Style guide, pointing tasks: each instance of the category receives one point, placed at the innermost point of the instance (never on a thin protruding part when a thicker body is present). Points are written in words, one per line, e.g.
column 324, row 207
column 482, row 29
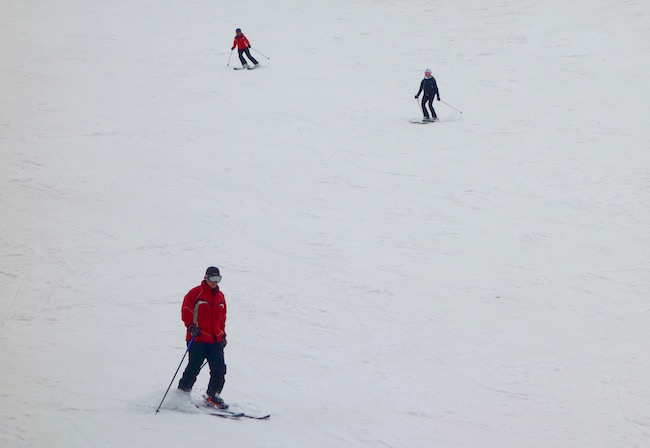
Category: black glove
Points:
column 225, row 342
column 416, row 96
column 194, row 330
column 438, row 98
column 232, row 48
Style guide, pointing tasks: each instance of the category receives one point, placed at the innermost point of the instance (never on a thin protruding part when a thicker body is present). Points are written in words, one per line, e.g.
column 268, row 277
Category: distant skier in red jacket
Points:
column 204, row 314
column 243, row 46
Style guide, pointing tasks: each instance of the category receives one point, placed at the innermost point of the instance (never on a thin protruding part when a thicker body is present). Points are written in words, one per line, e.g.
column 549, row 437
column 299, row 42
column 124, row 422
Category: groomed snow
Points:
column 477, row 282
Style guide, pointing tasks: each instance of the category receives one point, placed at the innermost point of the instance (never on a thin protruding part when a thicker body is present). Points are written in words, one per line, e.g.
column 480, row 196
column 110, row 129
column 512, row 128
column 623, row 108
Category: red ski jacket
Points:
column 241, row 42
column 205, row 308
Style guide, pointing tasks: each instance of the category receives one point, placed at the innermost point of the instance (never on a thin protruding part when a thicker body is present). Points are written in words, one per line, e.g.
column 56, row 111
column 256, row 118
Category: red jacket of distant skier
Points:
column 206, row 308
column 241, row 42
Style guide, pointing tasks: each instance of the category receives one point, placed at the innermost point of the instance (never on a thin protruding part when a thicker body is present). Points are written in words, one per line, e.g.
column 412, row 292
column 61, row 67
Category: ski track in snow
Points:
column 478, row 282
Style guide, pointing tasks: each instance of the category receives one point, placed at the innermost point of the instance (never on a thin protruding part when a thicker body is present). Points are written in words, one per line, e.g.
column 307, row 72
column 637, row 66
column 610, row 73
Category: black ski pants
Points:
column 426, row 99
column 198, row 352
column 248, row 53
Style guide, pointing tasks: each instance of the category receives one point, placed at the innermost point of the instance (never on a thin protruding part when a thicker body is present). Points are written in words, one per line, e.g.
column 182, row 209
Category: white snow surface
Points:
column 477, row 282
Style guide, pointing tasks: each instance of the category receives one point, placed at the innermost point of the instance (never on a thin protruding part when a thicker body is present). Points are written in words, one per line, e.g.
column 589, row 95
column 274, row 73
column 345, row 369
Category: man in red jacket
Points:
column 204, row 315
column 243, row 46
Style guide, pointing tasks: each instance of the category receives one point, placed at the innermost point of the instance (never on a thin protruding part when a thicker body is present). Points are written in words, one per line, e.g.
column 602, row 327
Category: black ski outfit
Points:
column 430, row 88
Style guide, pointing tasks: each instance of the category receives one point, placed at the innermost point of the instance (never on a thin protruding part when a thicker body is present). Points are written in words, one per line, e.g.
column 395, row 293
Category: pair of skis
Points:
column 228, row 414
column 423, row 121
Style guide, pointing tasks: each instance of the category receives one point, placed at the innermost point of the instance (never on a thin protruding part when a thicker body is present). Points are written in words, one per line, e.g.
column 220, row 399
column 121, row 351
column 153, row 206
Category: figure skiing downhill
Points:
column 243, row 46
column 430, row 88
column 204, row 314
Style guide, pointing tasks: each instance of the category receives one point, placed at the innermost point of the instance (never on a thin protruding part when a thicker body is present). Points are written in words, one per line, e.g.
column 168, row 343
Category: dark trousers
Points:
column 198, row 352
column 248, row 53
column 428, row 100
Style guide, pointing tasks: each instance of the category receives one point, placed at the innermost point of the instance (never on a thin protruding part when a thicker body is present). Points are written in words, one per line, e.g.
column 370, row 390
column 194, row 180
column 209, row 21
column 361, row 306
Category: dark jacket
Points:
column 430, row 87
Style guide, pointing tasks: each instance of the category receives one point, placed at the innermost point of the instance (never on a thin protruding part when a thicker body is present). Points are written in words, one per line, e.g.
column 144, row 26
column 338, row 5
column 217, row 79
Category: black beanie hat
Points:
column 212, row 270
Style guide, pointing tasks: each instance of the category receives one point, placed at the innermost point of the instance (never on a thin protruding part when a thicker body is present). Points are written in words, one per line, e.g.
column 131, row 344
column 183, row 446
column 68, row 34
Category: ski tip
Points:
column 258, row 417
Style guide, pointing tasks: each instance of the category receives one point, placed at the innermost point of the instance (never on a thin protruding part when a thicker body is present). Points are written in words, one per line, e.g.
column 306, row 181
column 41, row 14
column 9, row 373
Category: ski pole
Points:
column 417, row 101
column 260, row 53
column 174, row 377
column 452, row 107
column 228, row 64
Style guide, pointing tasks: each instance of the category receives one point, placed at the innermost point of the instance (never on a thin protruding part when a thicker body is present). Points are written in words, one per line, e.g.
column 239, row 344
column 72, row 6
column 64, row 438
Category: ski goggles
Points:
column 214, row 278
